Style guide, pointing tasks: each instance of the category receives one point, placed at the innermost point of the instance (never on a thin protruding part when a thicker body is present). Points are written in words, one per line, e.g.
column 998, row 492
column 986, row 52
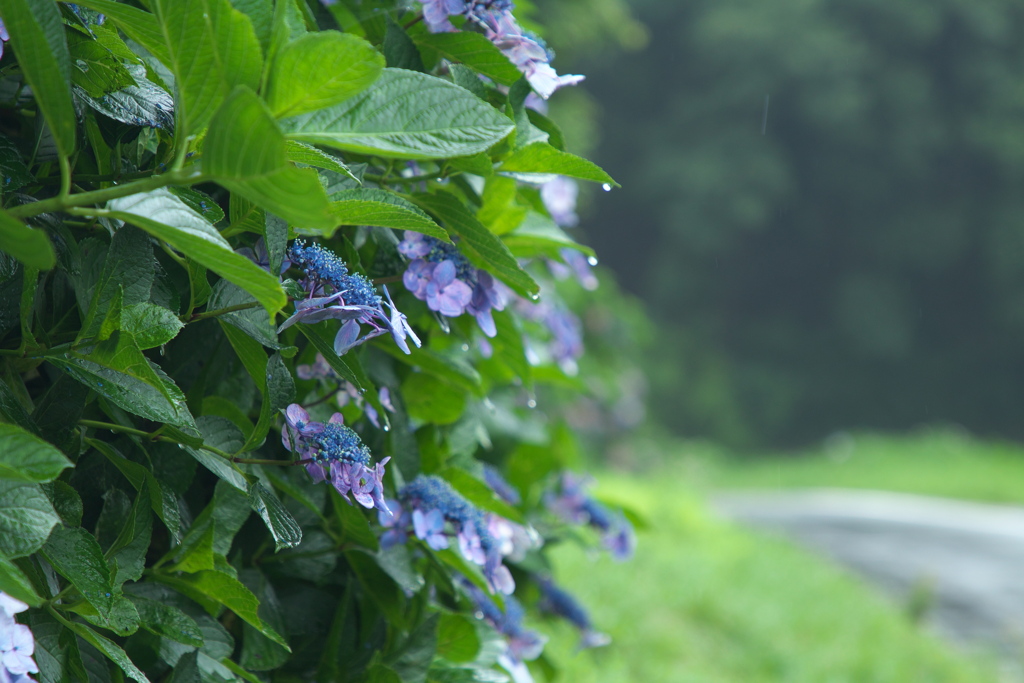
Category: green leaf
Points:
column 128, row 271
column 122, row 618
column 326, row 348
column 151, row 325
column 139, row 25
column 457, row 640
column 13, row 170
column 221, row 434
column 31, row 246
column 397, row 562
column 96, row 70
column 432, row 400
column 311, row 156
column 37, row 36
column 25, row 457
column 246, row 152
column 475, row 51
column 14, row 582
column 399, row 50
column 479, row 244
column 108, row 648
column 540, row 157
column 259, row 653
column 352, row 520
column 406, row 115
column 26, row 518
column 454, row 371
column 161, row 500
column 75, row 555
column 286, row 531
column 477, row 164
column 538, row 235
column 412, row 659
column 222, row 589
column 167, row 621
column 320, row 70
column 117, row 370
column 167, row 218
column 200, row 202
column 12, row 411
column 365, row 206
column 212, row 48
column 254, row 321
column 128, row 552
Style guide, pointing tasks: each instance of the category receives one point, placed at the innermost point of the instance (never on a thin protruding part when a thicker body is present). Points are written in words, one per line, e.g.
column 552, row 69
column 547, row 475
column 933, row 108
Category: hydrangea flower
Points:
column 437, row 513
column 572, row 504
column 560, row 603
column 4, row 37
column 565, row 329
column 442, row 276
column 522, row 644
column 575, row 265
column 559, row 197
column 526, row 51
column 334, row 451
column 16, row 643
column 336, row 294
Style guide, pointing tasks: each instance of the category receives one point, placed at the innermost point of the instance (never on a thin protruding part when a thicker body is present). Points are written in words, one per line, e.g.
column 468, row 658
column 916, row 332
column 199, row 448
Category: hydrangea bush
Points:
column 277, row 297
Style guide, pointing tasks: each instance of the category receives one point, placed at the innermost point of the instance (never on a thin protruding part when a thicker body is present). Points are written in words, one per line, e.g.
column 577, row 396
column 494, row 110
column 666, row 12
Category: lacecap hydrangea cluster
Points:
column 17, row 643
column 443, row 277
column 521, row 644
column 494, row 18
column 435, row 512
column 333, row 451
column 572, row 504
column 333, row 293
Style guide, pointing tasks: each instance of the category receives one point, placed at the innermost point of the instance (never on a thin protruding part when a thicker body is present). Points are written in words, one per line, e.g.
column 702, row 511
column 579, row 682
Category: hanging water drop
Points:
column 531, row 403
column 592, row 260
column 535, row 297
column 465, row 347
column 606, row 187
column 386, row 427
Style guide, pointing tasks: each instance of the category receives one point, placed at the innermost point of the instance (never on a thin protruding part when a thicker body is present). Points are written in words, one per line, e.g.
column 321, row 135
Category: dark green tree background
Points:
column 856, row 262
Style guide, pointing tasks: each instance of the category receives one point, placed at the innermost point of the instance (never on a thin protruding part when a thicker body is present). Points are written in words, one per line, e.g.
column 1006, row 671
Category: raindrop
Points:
column 606, row 187
column 443, row 322
column 592, row 260
column 99, row 384
column 465, row 347
column 531, row 403
column 535, row 297
column 81, row 64
column 387, row 427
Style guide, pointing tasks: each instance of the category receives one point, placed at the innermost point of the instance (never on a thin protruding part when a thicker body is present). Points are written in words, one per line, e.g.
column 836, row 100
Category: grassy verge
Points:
column 938, row 462
column 705, row 602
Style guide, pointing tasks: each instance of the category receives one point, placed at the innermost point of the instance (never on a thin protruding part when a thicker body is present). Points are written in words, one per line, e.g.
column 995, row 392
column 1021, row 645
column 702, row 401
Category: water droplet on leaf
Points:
column 81, row 64
column 535, row 297
column 606, row 187
column 531, row 403
column 465, row 347
column 592, row 260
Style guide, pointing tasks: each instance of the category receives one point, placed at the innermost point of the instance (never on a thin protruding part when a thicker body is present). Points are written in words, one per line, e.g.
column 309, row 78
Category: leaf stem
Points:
column 65, row 177
column 386, row 280
column 152, row 436
column 61, row 203
column 281, row 463
column 195, row 317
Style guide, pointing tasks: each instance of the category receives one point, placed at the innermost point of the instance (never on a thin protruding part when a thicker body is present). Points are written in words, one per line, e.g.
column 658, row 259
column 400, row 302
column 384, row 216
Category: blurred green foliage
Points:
column 852, row 259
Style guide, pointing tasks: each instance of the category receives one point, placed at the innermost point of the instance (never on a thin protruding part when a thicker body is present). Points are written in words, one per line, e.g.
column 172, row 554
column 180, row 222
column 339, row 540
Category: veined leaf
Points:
column 26, row 518
column 475, row 51
column 76, row 555
column 14, row 582
column 479, row 244
column 111, row 650
column 151, row 325
column 320, row 70
column 212, row 48
column 540, row 157
column 37, row 36
column 246, row 152
column 139, row 25
column 406, row 115
column 311, row 156
column 167, row 218
column 366, row 206
column 25, row 457
column 117, row 370
column 29, row 245
column 286, row 531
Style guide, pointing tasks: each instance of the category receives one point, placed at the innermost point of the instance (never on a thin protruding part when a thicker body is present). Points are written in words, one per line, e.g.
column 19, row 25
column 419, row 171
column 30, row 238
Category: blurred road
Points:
column 962, row 562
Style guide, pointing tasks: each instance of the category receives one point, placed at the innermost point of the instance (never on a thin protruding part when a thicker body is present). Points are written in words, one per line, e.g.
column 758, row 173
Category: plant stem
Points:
column 65, row 177
column 385, row 178
column 258, row 461
column 152, row 436
column 61, row 203
column 387, row 280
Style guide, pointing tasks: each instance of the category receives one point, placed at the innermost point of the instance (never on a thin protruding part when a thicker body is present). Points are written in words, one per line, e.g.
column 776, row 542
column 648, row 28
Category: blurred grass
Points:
column 934, row 461
column 705, row 602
